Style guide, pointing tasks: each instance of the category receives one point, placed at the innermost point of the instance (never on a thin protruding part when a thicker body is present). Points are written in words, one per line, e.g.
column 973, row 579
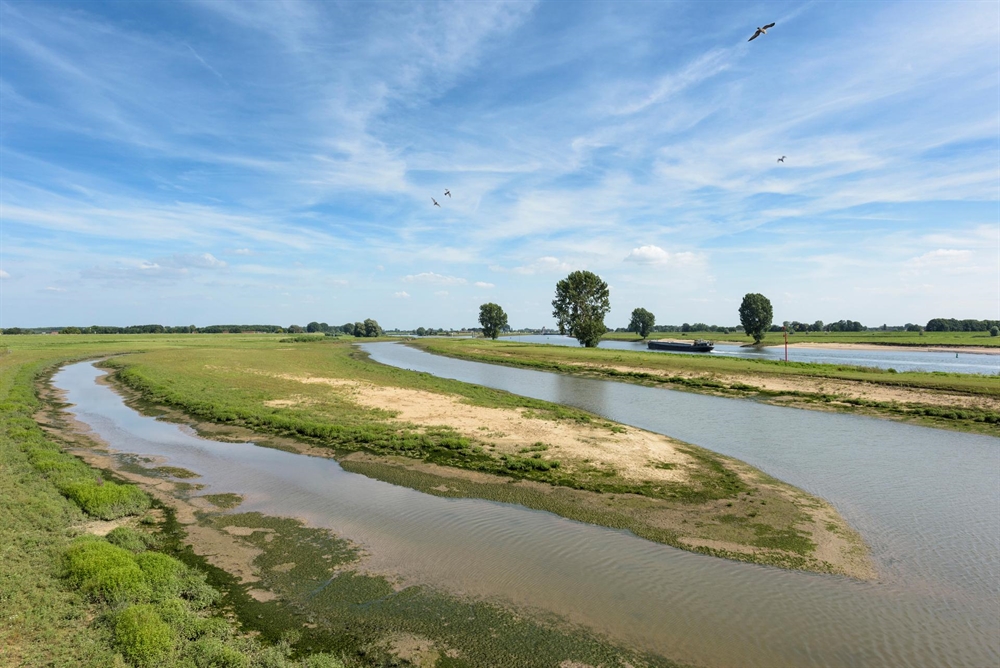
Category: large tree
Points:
column 755, row 315
column 642, row 322
column 371, row 328
column 493, row 319
column 581, row 302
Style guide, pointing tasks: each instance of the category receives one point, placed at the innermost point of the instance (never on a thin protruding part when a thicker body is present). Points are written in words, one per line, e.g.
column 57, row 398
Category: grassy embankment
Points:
column 873, row 337
column 956, row 401
column 70, row 598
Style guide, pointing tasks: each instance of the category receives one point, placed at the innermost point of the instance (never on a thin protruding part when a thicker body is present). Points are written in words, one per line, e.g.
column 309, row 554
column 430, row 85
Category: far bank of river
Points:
column 965, row 360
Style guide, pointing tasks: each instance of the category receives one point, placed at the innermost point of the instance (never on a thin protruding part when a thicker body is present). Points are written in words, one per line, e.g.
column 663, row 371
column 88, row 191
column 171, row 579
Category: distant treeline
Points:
column 370, row 327
column 952, row 325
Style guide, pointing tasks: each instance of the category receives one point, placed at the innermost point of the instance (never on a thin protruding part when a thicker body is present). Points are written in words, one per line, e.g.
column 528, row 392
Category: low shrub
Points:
column 107, row 500
column 105, row 571
column 130, row 539
column 142, row 636
column 164, row 574
column 213, row 653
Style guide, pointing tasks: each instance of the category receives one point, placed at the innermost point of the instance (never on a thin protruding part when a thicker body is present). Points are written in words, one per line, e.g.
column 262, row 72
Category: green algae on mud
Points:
column 313, row 598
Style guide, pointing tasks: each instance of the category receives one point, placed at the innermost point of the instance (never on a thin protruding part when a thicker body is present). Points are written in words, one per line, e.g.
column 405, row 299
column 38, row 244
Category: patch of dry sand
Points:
column 631, row 452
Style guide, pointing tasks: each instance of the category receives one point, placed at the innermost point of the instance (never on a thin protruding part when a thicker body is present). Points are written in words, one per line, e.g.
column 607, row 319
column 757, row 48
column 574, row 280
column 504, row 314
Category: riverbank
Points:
column 953, row 401
column 404, row 426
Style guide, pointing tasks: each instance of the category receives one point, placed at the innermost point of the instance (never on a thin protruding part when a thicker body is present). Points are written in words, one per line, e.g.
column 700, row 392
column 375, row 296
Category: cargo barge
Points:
column 699, row 346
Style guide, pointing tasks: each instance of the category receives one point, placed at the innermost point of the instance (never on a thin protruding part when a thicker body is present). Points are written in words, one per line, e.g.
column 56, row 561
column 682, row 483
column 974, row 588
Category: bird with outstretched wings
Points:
column 435, row 202
column 761, row 31
column 781, row 159
column 447, row 192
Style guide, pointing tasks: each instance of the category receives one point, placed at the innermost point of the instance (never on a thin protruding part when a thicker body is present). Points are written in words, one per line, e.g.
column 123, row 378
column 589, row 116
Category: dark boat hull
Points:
column 697, row 347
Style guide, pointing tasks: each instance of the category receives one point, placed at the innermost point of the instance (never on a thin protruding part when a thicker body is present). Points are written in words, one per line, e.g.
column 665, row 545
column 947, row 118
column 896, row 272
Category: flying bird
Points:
column 761, row 31
column 435, row 202
column 448, row 193
column 781, row 159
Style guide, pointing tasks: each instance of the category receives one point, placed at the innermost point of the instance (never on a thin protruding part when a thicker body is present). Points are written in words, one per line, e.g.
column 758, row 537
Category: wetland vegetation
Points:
column 327, row 398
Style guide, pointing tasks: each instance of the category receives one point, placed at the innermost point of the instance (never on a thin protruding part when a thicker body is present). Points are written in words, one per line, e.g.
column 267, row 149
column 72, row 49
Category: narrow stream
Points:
column 928, row 501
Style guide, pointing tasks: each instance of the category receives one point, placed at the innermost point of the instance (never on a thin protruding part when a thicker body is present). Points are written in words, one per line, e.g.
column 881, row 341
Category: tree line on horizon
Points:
column 582, row 306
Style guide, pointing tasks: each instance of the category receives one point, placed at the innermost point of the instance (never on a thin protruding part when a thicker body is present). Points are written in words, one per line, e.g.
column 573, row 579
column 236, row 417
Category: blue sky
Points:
column 274, row 162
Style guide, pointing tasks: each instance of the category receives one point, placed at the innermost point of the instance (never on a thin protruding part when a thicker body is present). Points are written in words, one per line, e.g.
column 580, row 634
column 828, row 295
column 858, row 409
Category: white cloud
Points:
column 434, row 279
column 654, row 255
column 242, row 251
column 52, row 289
column 484, row 284
column 543, row 265
column 402, row 295
column 441, row 293
column 4, row 274
column 942, row 257
column 199, row 261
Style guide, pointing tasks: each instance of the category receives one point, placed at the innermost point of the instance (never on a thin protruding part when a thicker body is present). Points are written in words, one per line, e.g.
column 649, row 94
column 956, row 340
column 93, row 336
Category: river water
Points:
column 889, row 358
column 927, row 501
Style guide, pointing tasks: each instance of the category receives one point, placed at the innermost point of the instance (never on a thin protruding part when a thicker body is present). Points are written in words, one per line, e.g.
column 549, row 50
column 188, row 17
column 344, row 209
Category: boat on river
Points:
column 699, row 346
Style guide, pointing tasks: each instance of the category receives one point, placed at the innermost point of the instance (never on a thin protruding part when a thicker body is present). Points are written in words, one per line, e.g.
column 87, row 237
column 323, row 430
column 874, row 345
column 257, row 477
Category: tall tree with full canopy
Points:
column 642, row 322
column 493, row 319
column 755, row 315
column 582, row 300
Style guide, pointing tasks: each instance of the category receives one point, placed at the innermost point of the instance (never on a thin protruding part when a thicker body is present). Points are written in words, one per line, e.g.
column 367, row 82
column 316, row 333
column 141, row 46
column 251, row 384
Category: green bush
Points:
column 130, row 539
column 322, row 661
column 107, row 501
column 213, row 653
column 164, row 574
column 144, row 638
column 105, row 571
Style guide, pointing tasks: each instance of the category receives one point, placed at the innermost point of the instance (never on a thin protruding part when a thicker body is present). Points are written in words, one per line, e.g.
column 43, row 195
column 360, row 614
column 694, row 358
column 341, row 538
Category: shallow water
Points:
column 927, row 501
column 900, row 360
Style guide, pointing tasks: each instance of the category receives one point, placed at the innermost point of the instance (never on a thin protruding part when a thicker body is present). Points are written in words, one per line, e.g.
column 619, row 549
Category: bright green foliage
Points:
column 130, row 539
column 493, row 319
column 142, row 636
column 322, row 661
column 108, row 500
column 756, row 315
column 582, row 300
column 164, row 574
column 216, row 654
column 105, row 571
column 642, row 322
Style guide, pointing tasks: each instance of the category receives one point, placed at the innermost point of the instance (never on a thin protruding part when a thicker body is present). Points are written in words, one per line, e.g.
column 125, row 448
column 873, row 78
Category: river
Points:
column 927, row 501
column 887, row 358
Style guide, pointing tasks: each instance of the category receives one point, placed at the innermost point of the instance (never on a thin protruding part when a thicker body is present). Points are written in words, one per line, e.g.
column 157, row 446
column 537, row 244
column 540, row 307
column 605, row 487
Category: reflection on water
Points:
column 900, row 360
column 932, row 516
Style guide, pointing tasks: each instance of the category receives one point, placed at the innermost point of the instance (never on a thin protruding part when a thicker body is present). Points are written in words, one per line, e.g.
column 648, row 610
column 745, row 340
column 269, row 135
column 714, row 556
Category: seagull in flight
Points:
column 447, row 192
column 781, row 159
column 435, row 202
column 761, row 31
